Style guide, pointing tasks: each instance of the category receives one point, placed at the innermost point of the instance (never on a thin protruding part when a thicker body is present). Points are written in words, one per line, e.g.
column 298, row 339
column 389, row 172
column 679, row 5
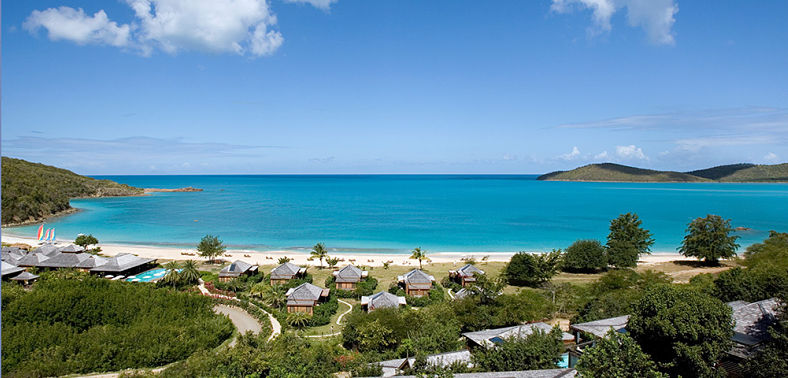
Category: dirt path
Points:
column 339, row 319
column 276, row 327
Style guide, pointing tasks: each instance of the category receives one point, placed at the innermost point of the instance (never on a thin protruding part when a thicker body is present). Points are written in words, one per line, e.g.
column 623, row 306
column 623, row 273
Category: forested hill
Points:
column 33, row 192
column 623, row 173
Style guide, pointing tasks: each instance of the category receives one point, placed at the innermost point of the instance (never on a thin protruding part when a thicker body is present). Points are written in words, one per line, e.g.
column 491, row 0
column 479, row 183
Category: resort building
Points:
column 751, row 329
column 123, row 264
column 462, row 294
column 25, row 278
column 305, row 297
column 73, row 248
column 395, row 367
column 491, row 337
column 416, row 283
column 599, row 328
column 348, row 277
column 12, row 254
column 237, row 269
column 286, row 272
column 10, row 270
column 59, row 260
column 465, row 274
column 31, row 259
column 381, row 300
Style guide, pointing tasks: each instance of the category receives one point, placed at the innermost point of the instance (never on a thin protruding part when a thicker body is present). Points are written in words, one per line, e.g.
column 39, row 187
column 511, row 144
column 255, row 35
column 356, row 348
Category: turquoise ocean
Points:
column 395, row 213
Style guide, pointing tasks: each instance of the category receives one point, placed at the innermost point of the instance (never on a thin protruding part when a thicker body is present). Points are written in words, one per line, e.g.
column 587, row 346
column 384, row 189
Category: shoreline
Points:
column 270, row 257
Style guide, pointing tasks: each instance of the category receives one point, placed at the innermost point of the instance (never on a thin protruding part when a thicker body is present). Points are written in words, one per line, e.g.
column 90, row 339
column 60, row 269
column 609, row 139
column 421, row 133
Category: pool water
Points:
column 564, row 363
column 148, row 276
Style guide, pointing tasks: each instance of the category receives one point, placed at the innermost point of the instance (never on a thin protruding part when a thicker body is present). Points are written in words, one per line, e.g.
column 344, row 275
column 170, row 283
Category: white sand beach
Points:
column 301, row 258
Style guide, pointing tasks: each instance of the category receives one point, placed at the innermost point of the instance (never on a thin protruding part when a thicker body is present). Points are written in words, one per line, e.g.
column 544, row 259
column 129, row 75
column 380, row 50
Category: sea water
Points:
column 395, row 213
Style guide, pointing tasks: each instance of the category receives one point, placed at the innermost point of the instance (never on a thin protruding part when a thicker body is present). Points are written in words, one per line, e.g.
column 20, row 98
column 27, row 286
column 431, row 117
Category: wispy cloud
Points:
column 574, row 154
column 135, row 154
column 655, row 17
column 243, row 27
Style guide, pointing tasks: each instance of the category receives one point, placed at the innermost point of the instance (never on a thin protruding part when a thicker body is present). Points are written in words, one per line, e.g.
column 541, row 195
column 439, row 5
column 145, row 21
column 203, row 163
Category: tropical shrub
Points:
column 616, row 355
column 585, row 256
column 709, row 239
column 627, row 240
column 539, row 350
column 531, row 269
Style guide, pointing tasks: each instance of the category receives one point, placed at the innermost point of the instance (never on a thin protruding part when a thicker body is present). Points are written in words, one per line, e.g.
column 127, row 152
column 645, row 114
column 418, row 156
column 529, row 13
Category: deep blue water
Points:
column 395, row 213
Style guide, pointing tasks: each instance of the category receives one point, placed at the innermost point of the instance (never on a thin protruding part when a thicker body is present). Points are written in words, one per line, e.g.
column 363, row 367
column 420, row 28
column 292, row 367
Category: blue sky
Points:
column 392, row 86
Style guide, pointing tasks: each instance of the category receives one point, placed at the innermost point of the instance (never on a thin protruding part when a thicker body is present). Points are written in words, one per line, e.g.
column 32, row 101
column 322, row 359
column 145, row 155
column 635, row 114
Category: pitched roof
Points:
column 235, row 269
column 47, row 249
column 462, row 293
column 417, row 279
column 11, row 255
column 286, row 271
column 9, row 269
column 490, row 337
column 64, row 260
column 121, row 262
column 93, row 262
column 32, row 259
column 544, row 373
column 383, row 299
column 349, row 274
column 305, row 294
column 24, row 276
column 752, row 320
column 599, row 328
column 468, row 271
column 72, row 248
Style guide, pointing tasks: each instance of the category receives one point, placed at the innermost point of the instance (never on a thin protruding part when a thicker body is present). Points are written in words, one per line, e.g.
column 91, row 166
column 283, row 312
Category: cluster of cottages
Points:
column 17, row 262
column 751, row 324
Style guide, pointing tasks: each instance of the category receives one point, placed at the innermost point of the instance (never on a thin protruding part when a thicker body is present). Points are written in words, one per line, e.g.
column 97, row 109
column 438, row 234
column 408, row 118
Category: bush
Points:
column 324, row 311
column 683, row 330
column 436, row 295
column 709, row 239
column 616, row 355
column 505, row 310
column 367, row 286
column 539, row 350
column 91, row 324
column 627, row 240
column 530, row 269
column 585, row 256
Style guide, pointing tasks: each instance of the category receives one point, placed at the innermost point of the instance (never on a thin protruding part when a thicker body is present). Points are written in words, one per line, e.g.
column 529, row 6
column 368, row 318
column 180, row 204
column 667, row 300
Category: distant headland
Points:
column 610, row 172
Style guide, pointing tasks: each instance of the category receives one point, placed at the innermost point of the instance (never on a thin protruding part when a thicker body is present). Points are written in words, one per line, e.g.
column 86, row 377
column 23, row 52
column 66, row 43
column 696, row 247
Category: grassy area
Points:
column 332, row 326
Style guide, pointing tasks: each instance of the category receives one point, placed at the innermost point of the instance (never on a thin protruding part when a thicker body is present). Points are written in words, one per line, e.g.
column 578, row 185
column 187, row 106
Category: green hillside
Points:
column 619, row 173
column 724, row 173
column 31, row 191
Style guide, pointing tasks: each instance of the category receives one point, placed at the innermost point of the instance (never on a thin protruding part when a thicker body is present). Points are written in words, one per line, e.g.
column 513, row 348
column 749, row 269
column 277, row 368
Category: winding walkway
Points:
column 276, row 328
column 339, row 319
column 241, row 320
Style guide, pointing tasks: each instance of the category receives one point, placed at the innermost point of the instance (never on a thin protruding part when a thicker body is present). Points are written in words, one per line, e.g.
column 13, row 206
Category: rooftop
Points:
column 305, row 294
column 350, row 273
column 286, row 271
column 599, row 328
column 417, row 279
column 237, row 268
column 121, row 262
column 383, row 299
column 490, row 337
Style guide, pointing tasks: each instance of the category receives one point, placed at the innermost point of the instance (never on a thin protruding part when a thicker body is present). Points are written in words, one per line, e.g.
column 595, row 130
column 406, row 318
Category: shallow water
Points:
column 395, row 213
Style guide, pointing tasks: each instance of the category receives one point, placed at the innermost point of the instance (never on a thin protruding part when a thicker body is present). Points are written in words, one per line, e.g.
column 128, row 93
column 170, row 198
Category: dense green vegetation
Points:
column 623, row 173
column 32, row 191
column 585, row 256
column 210, row 247
column 617, row 355
column 529, row 269
column 709, row 239
column 539, row 350
column 627, row 240
column 68, row 325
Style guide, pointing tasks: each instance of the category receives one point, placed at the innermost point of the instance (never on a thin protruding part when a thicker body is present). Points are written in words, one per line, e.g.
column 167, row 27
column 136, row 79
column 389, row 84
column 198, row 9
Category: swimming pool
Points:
column 148, row 276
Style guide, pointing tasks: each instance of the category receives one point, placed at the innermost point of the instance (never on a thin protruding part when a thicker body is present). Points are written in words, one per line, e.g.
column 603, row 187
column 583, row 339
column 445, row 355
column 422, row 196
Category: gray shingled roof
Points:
column 47, row 249
column 24, row 276
column 237, row 268
column 599, row 328
column 286, row 271
column 417, row 279
column 32, row 259
column 93, row 262
column 11, row 255
column 382, row 300
column 305, row 294
column 752, row 320
column 9, row 269
column 462, row 293
column 72, row 248
column 546, row 373
column 468, row 270
column 121, row 262
column 64, row 260
column 490, row 337
column 349, row 274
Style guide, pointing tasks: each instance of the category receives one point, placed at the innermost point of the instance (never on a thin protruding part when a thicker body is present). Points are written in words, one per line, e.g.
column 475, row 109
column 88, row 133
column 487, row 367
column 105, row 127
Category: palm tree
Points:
column 319, row 251
column 189, row 274
column 258, row 289
column 172, row 276
column 420, row 255
column 274, row 296
column 298, row 319
column 332, row 261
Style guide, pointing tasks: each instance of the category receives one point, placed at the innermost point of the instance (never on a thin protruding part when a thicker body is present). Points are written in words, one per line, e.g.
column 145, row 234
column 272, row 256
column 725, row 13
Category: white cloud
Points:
column 630, row 152
column 243, row 27
column 321, row 4
column 71, row 24
column 572, row 155
column 695, row 144
column 601, row 155
column 655, row 17
column 771, row 157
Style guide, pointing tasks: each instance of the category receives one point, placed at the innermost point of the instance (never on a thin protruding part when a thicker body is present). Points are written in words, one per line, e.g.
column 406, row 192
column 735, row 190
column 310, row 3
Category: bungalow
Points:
column 381, row 300
column 286, row 272
column 599, row 328
column 47, row 249
column 751, row 325
column 490, row 337
column 348, row 277
column 123, row 264
column 416, row 283
column 31, row 260
column 462, row 294
column 465, row 274
column 26, row 278
column 9, row 270
column 237, row 269
column 393, row 367
column 59, row 260
column 72, row 248
column 12, row 254
column 305, row 297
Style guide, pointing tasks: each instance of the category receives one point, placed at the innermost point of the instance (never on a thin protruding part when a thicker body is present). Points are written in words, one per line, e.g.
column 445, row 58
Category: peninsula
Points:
column 611, row 172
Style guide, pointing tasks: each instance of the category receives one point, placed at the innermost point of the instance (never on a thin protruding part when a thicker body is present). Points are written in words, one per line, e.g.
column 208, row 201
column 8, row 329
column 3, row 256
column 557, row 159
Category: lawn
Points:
column 332, row 326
